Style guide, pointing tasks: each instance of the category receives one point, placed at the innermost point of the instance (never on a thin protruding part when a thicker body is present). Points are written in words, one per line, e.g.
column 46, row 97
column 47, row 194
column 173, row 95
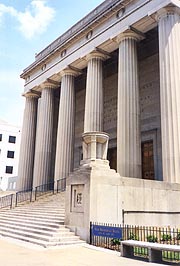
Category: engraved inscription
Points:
column 110, row 110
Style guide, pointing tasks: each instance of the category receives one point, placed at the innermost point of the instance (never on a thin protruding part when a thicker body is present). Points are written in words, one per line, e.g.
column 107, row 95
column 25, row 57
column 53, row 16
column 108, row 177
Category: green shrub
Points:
column 152, row 239
column 166, row 237
column 132, row 236
column 115, row 241
column 178, row 236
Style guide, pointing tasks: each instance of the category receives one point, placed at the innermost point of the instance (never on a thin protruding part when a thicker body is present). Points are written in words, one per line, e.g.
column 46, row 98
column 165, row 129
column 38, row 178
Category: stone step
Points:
column 40, row 222
column 44, row 237
column 32, row 219
column 45, row 244
column 37, row 223
column 52, row 227
column 40, row 215
column 36, row 229
column 47, row 217
column 36, row 208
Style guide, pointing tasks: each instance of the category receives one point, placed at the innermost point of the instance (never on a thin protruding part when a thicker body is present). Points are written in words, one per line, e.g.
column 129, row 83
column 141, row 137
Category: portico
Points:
column 115, row 72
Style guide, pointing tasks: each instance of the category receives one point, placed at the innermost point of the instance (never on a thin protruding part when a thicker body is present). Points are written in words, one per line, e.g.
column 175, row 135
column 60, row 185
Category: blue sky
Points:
column 26, row 27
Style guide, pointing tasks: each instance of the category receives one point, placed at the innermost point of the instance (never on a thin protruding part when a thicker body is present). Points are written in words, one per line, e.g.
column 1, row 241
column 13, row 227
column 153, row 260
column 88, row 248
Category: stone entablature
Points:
column 73, row 51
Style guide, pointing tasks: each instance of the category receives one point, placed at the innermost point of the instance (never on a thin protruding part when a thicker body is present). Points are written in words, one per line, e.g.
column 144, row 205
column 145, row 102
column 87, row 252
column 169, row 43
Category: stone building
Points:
column 10, row 137
column 113, row 77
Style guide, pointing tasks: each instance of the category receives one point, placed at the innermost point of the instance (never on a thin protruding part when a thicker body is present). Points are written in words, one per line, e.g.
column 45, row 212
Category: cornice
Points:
column 84, row 25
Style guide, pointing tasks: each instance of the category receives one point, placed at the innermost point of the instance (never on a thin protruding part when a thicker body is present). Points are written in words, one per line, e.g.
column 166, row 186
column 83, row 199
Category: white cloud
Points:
column 11, row 101
column 34, row 20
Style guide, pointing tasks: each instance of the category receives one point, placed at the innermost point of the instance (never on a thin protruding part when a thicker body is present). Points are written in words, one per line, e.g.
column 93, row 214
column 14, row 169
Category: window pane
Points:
column 9, row 169
column 10, row 154
column 12, row 139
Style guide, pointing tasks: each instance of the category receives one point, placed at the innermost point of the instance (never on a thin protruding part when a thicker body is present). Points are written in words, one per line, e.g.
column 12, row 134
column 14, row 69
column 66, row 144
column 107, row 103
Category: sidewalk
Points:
column 17, row 253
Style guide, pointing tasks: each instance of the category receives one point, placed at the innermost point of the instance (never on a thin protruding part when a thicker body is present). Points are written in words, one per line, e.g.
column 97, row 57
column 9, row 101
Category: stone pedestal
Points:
column 91, row 196
column 85, row 199
column 95, row 146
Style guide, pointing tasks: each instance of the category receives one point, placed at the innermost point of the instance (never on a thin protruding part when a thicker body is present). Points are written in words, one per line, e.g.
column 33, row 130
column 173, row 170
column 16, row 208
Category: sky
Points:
column 27, row 27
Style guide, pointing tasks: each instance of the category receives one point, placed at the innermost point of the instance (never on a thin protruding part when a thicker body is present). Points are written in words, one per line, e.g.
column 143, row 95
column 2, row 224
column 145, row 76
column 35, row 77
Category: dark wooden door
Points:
column 147, row 160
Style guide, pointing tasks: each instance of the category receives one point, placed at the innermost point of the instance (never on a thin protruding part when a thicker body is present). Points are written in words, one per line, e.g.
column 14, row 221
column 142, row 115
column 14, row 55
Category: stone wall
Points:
column 104, row 194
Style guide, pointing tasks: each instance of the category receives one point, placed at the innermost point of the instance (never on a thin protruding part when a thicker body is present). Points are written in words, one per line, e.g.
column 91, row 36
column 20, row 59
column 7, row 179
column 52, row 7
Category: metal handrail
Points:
column 31, row 195
column 61, row 185
column 25, row 195
column 44, row 189
column 6, row 201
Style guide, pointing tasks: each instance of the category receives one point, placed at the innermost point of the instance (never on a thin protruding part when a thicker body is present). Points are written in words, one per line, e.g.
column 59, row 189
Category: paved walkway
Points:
column 17, row 254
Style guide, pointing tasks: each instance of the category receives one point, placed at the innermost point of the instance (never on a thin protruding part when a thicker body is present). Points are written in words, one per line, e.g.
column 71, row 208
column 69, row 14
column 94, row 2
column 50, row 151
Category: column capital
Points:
column 129, row 34
column 31, row 94
column 166, row 11
column 70, row 71
column 96, row 55
column 50, row 84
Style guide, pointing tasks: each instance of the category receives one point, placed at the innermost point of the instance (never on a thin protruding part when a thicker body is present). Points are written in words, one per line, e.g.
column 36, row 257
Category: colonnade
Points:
column 36, row 144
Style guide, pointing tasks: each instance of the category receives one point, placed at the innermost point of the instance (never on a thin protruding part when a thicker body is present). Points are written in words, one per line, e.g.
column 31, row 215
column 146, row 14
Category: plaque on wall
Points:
column 77, row 198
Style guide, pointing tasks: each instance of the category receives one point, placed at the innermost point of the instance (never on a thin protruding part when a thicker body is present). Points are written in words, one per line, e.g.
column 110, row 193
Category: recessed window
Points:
column 9, row 169
column 12, row 139
column 0, row 137
column 10, row 154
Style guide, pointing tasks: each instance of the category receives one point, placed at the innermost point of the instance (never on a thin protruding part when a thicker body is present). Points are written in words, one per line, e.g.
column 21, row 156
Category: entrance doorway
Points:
column 148, row 160
column 112, row 157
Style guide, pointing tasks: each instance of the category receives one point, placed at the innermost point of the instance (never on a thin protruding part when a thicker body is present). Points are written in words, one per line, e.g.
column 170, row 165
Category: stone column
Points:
column 65, row 134
column 169, row 58
column 43, row 149
column 128, row 121
column 93, row 120
column 26, row 158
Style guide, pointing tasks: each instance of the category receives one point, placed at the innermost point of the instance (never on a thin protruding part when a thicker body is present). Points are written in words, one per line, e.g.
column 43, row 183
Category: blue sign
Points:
column 106, row 231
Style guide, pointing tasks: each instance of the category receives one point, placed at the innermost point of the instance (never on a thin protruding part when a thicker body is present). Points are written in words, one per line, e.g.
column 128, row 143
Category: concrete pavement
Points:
column 17, row 253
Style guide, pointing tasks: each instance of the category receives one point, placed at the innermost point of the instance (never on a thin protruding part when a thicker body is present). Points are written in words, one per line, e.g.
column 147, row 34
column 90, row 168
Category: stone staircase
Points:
column 40, row 222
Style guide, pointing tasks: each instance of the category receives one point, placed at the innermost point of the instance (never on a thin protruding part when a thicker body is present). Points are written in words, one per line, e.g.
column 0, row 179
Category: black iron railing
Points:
column 32, row 194
column 22, row 196
column 110, row 236
column 61, row 185
column 6, row 201
column 44, row 189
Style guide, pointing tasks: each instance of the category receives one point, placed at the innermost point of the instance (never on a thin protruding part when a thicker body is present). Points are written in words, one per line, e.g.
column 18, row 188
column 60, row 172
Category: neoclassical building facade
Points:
column 116, row 71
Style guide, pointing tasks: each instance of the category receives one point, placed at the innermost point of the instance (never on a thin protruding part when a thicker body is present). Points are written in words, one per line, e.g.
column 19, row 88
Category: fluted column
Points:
column 65, row 134
column 169, row 58
column 128, row 123
column 26, row 157
column 93, row 120
column 43, row 149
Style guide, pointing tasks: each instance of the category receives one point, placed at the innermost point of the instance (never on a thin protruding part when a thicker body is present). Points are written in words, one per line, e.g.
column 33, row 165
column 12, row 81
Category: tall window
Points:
column 9, row 169
column 10, row 154
column 12, row 139
column 0, row 137
column 148, row 160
